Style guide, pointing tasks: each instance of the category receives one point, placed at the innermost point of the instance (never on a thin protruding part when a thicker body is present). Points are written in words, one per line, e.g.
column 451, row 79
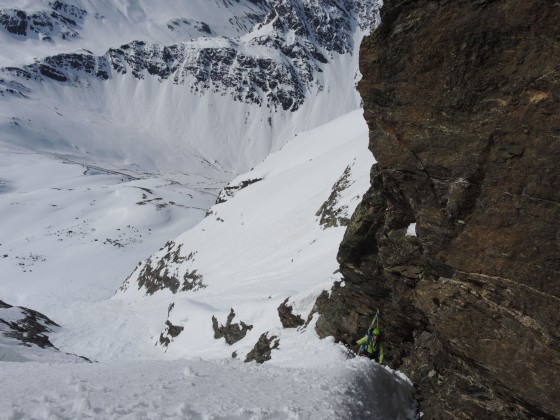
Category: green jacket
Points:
column 374, row 349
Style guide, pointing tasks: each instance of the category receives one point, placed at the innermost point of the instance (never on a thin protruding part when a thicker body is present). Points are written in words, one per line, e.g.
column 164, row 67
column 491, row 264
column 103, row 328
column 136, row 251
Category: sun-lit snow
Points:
column 254, row 250
column 202, row 389
column 96, row 177
column 167, row 124
column 77, row 229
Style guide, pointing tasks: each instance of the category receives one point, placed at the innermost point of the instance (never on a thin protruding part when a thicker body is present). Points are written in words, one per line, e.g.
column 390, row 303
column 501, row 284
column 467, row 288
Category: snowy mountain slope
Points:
column 118, row 132
column 163, row 104
column 71, row 233
column 38, row 28
column 24, row 337
column 262, row 244
column 138, row 131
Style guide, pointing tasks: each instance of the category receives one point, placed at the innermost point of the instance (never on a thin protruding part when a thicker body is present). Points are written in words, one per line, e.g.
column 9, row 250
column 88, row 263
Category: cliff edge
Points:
column 458, row 240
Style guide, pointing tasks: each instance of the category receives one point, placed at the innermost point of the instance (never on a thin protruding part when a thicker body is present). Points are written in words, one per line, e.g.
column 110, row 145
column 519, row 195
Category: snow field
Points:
column 263, row 245
column 95, row 177
column 258, row 248
column 160, row 125
column 202, row 389
column 69, row 232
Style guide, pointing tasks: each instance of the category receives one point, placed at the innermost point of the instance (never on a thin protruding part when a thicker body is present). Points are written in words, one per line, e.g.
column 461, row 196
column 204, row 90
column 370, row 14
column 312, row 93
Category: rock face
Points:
column 168, row 272
column 462, row 102
column 331, row 214
column 171, row 331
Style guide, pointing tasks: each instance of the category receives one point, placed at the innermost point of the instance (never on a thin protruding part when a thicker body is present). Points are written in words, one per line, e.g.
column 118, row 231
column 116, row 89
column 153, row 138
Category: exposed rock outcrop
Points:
column 26, row 325
column 332, row 214
column 24, row 328
column 462, row 102
column 263, row 349
column 60, row 21
column 171, row 331
column 171, row 270
column 231, row 189
column 287, row 318
column 232, row 333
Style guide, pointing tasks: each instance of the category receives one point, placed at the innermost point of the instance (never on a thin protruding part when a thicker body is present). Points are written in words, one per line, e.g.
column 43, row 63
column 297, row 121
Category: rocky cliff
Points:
column 458, row 242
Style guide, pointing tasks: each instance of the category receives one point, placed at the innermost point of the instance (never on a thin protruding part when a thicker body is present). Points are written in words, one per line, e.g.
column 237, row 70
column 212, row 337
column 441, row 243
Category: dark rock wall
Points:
column 462, row 103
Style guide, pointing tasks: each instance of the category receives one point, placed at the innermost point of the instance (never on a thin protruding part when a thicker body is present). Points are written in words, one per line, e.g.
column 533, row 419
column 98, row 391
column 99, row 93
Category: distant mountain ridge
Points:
column 278, row 68
column 61, row 21
column 225, row 66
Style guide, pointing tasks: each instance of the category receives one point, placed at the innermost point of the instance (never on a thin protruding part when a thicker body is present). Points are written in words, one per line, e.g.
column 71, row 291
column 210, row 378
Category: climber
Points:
column 370, row 345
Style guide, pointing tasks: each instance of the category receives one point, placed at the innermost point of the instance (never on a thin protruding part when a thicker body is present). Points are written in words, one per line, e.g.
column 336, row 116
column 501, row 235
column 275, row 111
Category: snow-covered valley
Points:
column 98, row 174
column 252, row 252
